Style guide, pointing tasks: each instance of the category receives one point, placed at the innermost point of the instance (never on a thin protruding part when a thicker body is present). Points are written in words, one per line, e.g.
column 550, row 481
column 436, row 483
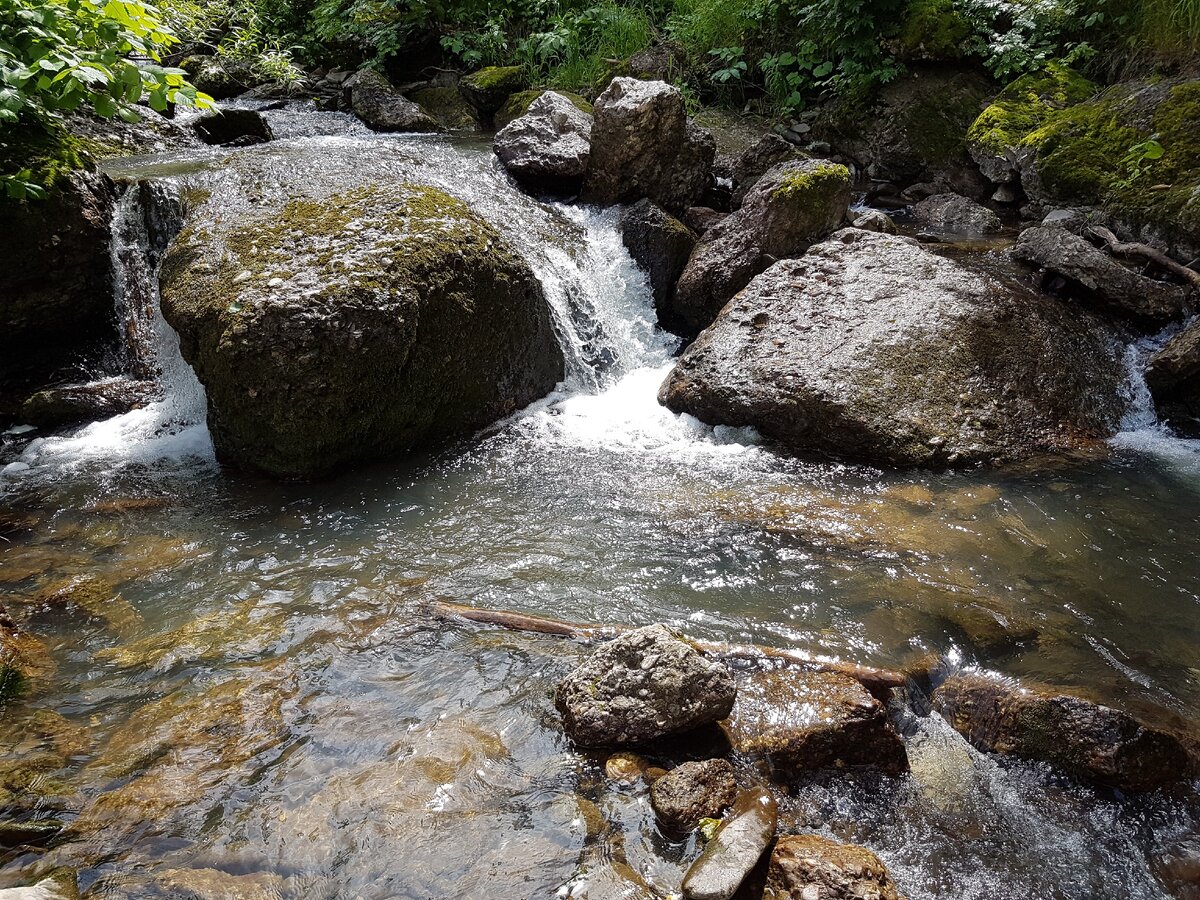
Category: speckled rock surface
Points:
column 693, row 791
column 547, row 148
column 811, row 867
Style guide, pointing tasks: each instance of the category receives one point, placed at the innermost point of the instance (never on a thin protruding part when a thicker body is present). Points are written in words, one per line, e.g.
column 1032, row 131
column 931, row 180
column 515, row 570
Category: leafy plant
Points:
column 730, row 65
column 1136, row 162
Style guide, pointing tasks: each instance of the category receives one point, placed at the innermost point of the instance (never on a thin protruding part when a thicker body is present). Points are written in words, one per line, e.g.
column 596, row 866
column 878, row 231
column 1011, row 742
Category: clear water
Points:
column 272, row 703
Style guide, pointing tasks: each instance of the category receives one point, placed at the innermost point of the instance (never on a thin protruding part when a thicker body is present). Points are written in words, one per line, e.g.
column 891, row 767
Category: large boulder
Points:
column 661, row 245
column 954, row 212
column 1087, row 740
column 1093, row 275
column 56, row 290
column 756, row 160
column 644, row 146
column 488, row 89
column 789, row 207
column 872, row 347
column 1173, row 376
column 734, row 849
column 547, row 148
column 691, row 792
column 233, row 126
column 643, row 685
column 811, row 867
column 518, row 104
column 799, row 722
column 381, row 107
column 441, row 330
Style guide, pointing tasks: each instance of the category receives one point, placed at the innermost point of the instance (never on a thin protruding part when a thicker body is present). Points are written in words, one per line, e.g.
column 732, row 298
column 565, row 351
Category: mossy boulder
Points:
column 790, row 207
column 354, row 327
column 487, row 89
column 933, row 31
column 446, row 106
column 518, row 104
column 219, row 78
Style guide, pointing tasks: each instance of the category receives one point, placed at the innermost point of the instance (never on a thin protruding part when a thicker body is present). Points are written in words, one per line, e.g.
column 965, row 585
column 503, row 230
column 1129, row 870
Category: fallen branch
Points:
column 878, row 681
column 1144, row 253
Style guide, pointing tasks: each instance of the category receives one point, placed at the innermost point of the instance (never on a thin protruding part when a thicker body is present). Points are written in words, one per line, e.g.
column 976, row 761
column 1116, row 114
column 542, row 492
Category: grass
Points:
column 1171, row 28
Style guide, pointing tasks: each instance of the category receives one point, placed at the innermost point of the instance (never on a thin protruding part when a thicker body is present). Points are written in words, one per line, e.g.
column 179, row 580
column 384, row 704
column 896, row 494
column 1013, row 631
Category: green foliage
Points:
column 574, row 49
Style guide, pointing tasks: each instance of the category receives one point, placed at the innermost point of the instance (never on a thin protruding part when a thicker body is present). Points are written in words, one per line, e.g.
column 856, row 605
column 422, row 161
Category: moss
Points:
column 821, row 178
column 934, row 30
column 937, row 125
column 1026, row 104
column 507, row 79
column 51, row 154
column 517, row 105
column 446, row 106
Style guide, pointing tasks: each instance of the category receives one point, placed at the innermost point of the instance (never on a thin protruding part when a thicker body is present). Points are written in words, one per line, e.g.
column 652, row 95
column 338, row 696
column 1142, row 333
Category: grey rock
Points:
column 641, row 686
column 548, row 147
column 872, row 347
column 1173, row 376
column 703, row 218
column 792, row 205
column 953, row 212
column 691, row 792
column 1004, row 194
column 73, row 404
column 812, row 867
column 735, row 849
column 220, row 79
column 756, row 160
column 1070, row 219
column 875, row 220
column 233, row 126
column 661, row 245
column 644, row 146
column 1093, row 275
column 381, row 107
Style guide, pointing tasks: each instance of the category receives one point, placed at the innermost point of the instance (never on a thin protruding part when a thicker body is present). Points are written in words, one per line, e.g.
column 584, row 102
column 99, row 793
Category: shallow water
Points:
column 271, row 701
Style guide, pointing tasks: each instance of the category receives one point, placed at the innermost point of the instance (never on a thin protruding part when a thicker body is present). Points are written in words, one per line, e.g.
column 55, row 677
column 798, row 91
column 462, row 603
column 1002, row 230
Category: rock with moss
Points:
column 487, row 90
column 790, row 207
column 546, row 149
column 644, row 146
column 870, row 347
column 446, row 106
column 517, row 105
column 661, row 245
column 383, row 108
column 809, row 865
column 755, row 161
column 1173, row 376
column 913, row 130
column 1085, row 739
column 933, row 31
column 219, row 78
column 356, row 326
column 56, row 287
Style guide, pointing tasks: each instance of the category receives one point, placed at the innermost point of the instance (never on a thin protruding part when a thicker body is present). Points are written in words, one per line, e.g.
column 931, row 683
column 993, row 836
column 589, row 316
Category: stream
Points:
column 268, row 710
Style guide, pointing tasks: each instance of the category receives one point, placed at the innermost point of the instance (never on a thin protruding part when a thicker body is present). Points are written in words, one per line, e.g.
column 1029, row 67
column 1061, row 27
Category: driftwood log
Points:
column 878, row 681
column 1145, row 254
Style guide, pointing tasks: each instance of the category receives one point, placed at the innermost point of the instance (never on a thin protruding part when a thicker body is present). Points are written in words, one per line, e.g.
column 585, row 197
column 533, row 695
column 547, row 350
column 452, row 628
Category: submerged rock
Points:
column 811, row 867
column 1173, row 376
column 789, row 207
column 954, row 212
column 644, row 146
column 547, row 148
column 240, row 127
column 1092, row 274
column 799, row 722
column 1087, row 740
column 355, row 327
column 383, row 108
column 872, row 347
column 735, row 848
column 661, row 245
column 488, row 89
column 641, row 686
column 693, row 791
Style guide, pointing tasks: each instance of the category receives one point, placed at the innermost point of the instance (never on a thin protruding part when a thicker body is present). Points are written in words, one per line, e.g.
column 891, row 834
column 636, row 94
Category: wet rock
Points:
column 210, row 884
column 693, row 791
column 874, row 220
column 24, row 660
column 1173, row 376
column 811, row 867
column 644, row 146
column 755, row 161
column 660, row 244
column 1178, row 868
column 381, row 107
column 643, row 685
column 953, row 212
column 1093, row 275
column 442, row 329
column 55, row 279
column 218, row 78
column 1087, row 740
column 610, row 880
column 32, row 833
column 791, row 206
column 446, row 106
column 517, row 105
column 799, row 722
column 239, row 127
column 90, row 594
column 547, row 148
column 735, row 848
column 625, row 768
column 702, row 218
column 488, row 89
column 871, row 347
column 56, row 887
column 74, row 404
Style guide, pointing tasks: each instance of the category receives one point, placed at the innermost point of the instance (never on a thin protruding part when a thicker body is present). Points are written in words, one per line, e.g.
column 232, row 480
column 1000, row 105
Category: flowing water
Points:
column 258, row 705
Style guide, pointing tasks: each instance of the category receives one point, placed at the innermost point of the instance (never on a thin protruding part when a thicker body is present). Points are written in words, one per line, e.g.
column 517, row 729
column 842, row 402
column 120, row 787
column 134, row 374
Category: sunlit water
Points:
column 270, row 701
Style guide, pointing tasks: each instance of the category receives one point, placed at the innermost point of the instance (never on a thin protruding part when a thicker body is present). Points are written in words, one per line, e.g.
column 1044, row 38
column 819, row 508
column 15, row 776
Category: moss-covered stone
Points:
column 934, row 30
column 356, row 326
column 446, row 106
column 1025, row 105
column 50, row 154
column 517, row 105
column 814, row 182
column 487, row 89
